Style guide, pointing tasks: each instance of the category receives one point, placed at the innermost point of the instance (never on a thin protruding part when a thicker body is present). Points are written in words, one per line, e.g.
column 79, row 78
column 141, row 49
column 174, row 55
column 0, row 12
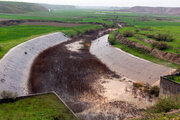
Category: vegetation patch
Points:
column 41, row 107
column 164, row 109
column 175, row 78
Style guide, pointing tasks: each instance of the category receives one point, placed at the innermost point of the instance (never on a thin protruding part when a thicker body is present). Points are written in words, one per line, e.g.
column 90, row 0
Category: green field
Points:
column 41, row 107
column 174, row 31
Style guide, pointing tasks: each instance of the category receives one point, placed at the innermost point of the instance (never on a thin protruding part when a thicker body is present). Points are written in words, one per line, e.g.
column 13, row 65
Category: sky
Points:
column 114, row 3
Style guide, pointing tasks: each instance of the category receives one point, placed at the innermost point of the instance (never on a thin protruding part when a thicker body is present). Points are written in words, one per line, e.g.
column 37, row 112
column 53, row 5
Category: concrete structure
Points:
column 135, row 68
column 16, row 64
column 169, row 87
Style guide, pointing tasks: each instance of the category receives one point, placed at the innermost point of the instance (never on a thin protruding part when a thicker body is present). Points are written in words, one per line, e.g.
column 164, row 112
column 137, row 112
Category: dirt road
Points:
column 15, row 65
column 130, row 66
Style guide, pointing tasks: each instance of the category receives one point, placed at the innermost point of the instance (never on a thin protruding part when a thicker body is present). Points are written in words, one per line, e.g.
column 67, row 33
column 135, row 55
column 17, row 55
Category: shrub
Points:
column 128, row 33
column 160, row 45
column 164, row 37
column 166, row 105
column 150, row 36
column 0, row 47
column 138, row 84
column 154, row 91
column 8, row 95
column 112, row 38
column 137, row 30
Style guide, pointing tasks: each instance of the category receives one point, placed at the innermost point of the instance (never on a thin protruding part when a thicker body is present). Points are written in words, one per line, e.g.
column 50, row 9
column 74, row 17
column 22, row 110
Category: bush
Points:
column 112, row 38
column 166, row 105
column 138, row 84
column 160, row 45
column 164, row 37
column 150, row 36
column 137, row 30
column 128, row 33
column 154, row 91
column 8, row 95
column 0, row 47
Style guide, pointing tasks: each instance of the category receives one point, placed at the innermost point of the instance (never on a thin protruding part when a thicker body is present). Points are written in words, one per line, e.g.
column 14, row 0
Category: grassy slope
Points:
column 14, row 35
column 142, row 55
column 20, row 7
column 173, row 30
column 42, row 107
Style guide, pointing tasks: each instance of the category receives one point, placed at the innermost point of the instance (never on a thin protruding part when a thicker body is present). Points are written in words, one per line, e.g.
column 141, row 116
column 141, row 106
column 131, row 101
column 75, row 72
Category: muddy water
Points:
column 130, row 66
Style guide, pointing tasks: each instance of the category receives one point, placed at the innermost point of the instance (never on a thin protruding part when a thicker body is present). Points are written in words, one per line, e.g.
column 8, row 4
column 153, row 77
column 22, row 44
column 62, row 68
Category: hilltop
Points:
column 156, row 10
column 58, row 7
column 20, row 7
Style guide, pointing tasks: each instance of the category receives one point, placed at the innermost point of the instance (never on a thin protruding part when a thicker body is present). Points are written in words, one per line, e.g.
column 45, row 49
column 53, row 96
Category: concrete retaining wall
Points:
column 135, row 68
column 169, row 87
column 16, row 64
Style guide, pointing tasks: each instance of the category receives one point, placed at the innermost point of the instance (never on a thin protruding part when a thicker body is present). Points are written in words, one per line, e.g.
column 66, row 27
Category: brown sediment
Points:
column 76, row 76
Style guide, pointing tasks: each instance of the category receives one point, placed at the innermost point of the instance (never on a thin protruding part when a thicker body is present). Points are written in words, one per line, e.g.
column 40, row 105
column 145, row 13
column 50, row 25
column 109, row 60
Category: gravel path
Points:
column 15, row 65
column 130, row 66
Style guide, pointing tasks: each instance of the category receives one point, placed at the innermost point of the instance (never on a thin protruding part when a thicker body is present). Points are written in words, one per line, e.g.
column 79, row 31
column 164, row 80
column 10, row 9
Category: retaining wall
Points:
column 16, row 64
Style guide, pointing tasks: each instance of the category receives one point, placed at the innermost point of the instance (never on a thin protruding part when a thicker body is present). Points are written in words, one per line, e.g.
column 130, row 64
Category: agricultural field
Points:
column 40, row 107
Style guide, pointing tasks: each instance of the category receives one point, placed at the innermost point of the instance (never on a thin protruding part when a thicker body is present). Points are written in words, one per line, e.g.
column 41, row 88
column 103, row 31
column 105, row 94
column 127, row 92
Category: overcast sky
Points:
column 120, row 3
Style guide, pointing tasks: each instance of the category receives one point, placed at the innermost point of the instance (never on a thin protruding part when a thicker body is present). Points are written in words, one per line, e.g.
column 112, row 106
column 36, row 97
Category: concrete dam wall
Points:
column 16, row 64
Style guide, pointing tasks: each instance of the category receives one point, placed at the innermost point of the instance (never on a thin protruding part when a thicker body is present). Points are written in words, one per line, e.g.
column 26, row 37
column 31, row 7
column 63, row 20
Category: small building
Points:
column 170, row 85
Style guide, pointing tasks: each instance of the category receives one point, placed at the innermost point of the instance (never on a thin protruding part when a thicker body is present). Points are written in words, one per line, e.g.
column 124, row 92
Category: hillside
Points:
column 156, row 10
column 20, row 7
column 58, row 7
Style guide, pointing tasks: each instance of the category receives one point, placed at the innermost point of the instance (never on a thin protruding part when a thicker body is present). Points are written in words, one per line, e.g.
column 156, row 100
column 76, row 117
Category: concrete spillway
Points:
column 130, row 66
column 16, row 64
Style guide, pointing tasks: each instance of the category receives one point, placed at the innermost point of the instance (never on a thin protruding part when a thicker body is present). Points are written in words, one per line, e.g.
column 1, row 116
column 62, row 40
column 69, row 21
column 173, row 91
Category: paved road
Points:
column 130, row 66
column 15, row 65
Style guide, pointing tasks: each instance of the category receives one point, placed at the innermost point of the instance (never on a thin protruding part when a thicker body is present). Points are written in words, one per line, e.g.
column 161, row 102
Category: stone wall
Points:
column 169, row 87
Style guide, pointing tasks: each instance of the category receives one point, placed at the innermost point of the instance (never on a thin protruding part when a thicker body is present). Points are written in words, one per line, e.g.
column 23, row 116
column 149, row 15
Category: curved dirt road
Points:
column 123, row 63
column 15, row 65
